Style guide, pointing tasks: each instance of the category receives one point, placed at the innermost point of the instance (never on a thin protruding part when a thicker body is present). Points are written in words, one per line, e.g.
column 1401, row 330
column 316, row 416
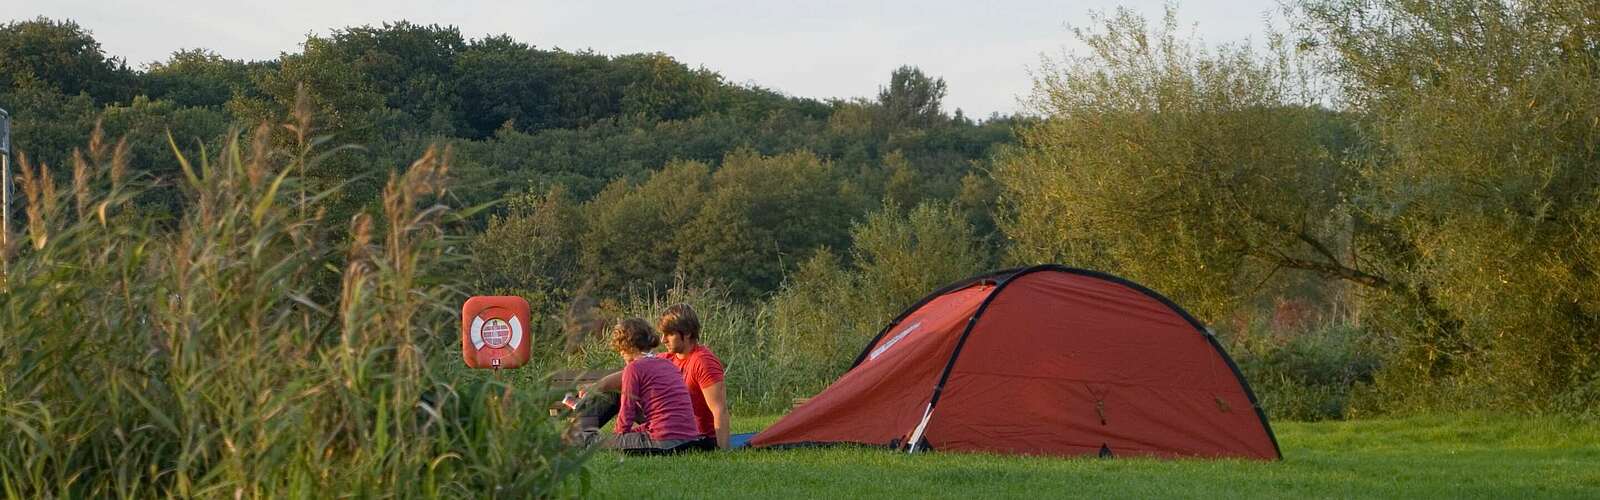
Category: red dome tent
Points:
column 1044, row 360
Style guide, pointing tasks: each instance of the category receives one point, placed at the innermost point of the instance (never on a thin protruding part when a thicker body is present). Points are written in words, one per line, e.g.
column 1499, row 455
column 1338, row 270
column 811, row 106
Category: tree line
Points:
column 1419, row 178
column 525, row 122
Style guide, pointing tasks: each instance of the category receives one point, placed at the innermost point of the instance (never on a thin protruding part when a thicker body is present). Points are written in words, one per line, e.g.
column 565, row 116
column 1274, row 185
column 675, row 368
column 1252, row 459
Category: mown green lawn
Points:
column 1439, row 456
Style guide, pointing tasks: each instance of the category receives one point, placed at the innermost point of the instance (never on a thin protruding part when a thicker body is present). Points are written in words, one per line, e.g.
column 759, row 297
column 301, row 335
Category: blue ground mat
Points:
column 740, row 440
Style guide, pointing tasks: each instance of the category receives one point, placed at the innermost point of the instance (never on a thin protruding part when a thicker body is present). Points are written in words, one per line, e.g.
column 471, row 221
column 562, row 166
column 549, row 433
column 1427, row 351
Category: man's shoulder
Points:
column 704, row 366
column 703, row 354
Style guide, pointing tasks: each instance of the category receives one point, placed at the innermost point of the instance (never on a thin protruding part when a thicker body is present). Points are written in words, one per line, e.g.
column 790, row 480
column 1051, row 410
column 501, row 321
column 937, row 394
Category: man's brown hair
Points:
column 680, row 319
column 634, row 334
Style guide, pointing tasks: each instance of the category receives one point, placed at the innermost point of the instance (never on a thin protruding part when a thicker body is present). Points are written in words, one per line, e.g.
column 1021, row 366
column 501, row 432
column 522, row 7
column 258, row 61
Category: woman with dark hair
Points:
column 653, row 413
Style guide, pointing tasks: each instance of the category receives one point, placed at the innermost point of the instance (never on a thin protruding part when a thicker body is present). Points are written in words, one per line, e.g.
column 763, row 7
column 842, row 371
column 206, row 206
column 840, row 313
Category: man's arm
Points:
column 717, row 398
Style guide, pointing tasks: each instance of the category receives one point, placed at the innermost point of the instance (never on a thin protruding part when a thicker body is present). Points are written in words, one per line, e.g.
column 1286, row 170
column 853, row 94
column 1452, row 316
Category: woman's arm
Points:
column 629, row 400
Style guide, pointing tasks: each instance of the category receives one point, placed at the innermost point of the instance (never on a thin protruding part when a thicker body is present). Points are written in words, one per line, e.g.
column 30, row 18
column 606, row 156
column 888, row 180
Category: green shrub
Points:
column 1304, row 375
column 1482, row 120
column 532, row 251
column 1200, row 171
column 1454, row 184
column 819, row 323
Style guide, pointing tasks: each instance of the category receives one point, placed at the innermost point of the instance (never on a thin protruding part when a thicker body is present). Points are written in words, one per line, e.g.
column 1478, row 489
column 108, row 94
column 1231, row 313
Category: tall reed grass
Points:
column 758, row 380
column 796, row 342
column 248, row 347
column 791, row 346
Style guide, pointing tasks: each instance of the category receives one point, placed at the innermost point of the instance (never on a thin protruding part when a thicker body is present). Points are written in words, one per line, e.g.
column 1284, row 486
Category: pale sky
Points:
column 817, row 49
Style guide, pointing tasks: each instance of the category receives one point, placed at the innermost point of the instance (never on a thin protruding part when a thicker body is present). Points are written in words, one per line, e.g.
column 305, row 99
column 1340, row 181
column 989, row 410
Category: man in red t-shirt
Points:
column 702, row 371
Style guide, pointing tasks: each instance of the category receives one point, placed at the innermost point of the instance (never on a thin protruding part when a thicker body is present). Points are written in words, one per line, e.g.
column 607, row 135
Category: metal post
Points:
column 5, row 179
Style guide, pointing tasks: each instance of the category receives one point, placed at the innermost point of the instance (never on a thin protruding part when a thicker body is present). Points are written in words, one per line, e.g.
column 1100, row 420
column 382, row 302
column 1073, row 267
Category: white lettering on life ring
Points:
column 496, row 333
column 476, row 333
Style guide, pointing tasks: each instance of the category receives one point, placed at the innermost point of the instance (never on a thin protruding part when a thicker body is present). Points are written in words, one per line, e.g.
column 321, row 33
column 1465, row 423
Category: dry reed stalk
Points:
column 97, row 142
column 119, row 164
column 80, row 184
column 256, row 167
column 37, row 189
column 354, row 282
column 407, row 226
column 47, row 193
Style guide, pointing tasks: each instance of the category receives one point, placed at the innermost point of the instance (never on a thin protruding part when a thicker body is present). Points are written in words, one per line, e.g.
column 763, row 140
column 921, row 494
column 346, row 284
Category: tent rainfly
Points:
column 1045, row 360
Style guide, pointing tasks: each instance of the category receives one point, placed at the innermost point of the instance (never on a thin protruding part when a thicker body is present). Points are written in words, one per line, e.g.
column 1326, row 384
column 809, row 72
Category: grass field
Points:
column 1439, row 456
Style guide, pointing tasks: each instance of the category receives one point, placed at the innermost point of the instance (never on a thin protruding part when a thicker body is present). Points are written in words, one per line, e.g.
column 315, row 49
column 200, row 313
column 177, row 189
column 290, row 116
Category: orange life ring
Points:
column 495, row 332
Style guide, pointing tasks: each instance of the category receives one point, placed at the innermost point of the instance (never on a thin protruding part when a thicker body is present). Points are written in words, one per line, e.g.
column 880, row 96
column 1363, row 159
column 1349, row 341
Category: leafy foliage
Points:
column 523, row 119
column 1195, row 172
column 197, row 78
column 630, row 237
column 1455, row 190
column 61, row 56
column 1485, row 113
column 759, row 212
column 912, row 98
